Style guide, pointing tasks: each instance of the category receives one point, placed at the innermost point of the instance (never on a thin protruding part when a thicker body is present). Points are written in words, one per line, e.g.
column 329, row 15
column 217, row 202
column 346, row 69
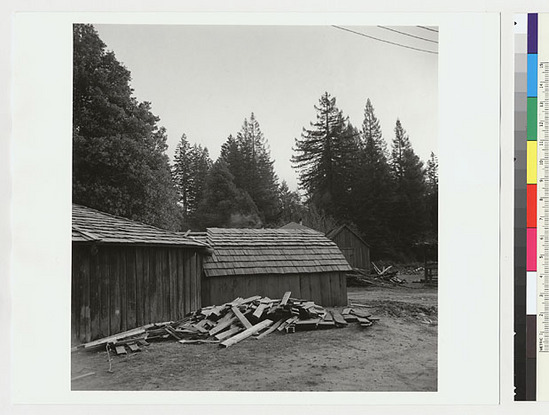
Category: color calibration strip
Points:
column 542, row 280
column 531, row 273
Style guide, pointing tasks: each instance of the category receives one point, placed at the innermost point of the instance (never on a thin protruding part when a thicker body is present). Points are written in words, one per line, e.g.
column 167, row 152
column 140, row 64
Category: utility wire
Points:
column 383, row 40
column 428, row 28
column 407, row 34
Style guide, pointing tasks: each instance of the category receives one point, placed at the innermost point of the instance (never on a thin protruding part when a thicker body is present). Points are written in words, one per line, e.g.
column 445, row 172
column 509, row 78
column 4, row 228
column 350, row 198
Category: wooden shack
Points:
column 269, row 262
column 353, row 247
column 126, row 274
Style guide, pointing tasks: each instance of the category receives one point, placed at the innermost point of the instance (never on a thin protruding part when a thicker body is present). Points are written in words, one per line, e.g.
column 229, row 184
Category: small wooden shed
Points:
column 353, row 247
column 269, row 262
column 126, row 274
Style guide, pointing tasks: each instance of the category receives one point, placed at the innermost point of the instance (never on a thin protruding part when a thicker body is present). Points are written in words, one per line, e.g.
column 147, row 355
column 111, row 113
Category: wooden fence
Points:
column 118, row 287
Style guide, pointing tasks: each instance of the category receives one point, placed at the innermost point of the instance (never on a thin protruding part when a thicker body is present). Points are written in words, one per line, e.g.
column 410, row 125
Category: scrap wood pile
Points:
column 233, row 322
column 381, row 277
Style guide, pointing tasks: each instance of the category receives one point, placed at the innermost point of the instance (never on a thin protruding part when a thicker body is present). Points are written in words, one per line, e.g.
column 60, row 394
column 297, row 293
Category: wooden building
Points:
column 126, row 274
column 353, row 247
column 269, row 262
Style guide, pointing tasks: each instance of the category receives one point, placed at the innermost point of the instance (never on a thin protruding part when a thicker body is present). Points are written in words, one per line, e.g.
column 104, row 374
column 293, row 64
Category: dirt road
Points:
column 399, row 353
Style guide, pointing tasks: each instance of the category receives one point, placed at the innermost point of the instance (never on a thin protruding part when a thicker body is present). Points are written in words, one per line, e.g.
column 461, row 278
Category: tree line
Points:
column 347, row 174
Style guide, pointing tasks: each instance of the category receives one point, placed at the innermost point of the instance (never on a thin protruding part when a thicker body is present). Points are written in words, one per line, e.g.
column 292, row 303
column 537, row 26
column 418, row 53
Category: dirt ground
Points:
column 399, row 353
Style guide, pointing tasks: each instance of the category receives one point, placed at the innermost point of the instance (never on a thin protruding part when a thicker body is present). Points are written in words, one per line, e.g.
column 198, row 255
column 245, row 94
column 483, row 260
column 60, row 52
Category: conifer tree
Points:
column 249, row 160
column 373, row 195
column 325, row 158
column 191, row 165
column 409, row 213
column 181, row 171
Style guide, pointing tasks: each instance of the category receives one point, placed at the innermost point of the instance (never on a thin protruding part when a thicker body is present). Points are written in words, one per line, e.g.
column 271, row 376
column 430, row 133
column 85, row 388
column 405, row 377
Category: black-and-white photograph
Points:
column 255, row 208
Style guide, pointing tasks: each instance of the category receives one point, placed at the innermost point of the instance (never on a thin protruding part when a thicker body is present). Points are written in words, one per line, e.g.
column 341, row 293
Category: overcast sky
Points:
column 204, row 80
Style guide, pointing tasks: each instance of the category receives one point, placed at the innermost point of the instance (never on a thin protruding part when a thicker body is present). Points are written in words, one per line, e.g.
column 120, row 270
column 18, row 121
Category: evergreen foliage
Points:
column 409, row 219
column 248, row 159
column 325, row 159
column 374, row 189
column 190, row 167
column 119, row 160
column 223, row 204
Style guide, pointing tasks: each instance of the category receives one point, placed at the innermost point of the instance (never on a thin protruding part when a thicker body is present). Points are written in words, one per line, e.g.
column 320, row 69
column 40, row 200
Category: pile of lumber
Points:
column 235, row 321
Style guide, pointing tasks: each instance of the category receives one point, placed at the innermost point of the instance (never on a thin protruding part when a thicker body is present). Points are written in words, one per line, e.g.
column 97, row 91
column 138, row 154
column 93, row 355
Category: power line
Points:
column 383, row 40
column 428, row 28
column 408, row 34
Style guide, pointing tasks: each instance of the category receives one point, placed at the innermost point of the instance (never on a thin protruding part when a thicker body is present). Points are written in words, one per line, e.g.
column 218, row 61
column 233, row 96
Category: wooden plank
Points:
column 153, row 287
column 343, row 289
column 165, row 272
column 159, row 312
column 138, row 255
column 95, row 295
column 134, row 347
column 222, row 326
column 84, row 276
column 175, row 313
column 115, row 290
column 325, row 290
column 120, row 350
column 294, row 285
column 251, row 299
column 199, row 279
column 147, row 295
column 123, row 294
column 338, row 318
column 131, row 305
column 335, row 290
column 104, row 329
column 187, row 283
column 116, row 337
column 285, row 298
column 246, row 333
column 194, row 304
column 241, row 317
column 228, row 333
column 76, row 289
column 259, row 310
column 361, row 313
column 363, row 320
column 315, row 289
column 270, row 329
column 180, row 260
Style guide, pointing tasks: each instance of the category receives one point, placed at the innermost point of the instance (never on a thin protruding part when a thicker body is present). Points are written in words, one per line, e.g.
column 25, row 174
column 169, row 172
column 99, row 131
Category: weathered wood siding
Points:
column 117, row 288
column 326, row 289
column 354, row 250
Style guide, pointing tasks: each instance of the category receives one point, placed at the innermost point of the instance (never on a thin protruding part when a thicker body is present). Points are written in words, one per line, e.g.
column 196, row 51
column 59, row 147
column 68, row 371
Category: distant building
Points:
column 269, row 262
column 353, row 247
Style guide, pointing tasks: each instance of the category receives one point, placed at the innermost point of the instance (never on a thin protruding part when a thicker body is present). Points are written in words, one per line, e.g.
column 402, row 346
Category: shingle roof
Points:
column 271, row 251
column 90, row 225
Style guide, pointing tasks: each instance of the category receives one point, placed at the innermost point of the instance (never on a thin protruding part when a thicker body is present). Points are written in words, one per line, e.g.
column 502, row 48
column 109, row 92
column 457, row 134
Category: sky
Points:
column 203, row 81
